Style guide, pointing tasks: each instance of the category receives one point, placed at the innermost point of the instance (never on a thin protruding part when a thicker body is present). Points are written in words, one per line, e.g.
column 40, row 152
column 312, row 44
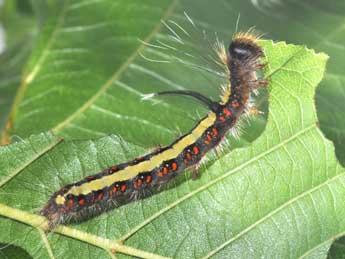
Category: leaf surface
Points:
column 281, row 196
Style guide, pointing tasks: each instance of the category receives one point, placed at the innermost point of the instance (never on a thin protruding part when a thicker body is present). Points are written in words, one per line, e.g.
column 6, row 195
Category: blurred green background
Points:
column 317, row 24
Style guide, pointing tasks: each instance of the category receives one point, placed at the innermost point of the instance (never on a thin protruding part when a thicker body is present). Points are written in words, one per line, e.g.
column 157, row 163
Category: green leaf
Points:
column 13, row 252
column 19, row 33
column 90, row 65
column 319, row 25
column 70, row 52
column 314, row 23
column 337, row 249
column 280, row 197
column 83, row 63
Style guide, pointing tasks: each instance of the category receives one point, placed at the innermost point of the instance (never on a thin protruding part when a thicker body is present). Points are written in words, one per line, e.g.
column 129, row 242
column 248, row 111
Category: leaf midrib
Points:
column 30, row 76
column 23, row 166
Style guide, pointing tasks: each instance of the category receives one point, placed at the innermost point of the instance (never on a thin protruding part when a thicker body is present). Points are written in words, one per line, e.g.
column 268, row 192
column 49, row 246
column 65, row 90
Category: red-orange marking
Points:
column 140, row 182
column 196, row 150
column 148, row 178
column 100, row 196
column 165, row 170
column 70, row 204
column 174, row 166
column 82, row 202
column 123, row 188
column 226, row 112
column 221, row 118
column 188, row 156
column 215, row 132
column 209, row 138
column 89, row 178
column 160, row 174
column 235, row 104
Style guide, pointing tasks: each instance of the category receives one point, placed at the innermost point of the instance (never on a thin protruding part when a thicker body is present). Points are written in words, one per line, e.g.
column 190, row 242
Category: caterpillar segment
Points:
column 125, row 182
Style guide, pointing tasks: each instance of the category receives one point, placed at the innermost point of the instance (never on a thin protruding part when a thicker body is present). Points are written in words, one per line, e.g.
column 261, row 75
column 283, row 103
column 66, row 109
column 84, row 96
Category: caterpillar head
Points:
column 244, row 47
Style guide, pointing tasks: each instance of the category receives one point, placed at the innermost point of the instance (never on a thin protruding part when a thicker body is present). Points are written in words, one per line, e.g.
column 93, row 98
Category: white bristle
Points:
column 145, row 97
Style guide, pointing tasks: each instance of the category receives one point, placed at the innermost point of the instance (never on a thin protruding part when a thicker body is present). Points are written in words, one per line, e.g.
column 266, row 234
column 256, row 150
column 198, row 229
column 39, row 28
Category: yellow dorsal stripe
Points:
column 148, row 165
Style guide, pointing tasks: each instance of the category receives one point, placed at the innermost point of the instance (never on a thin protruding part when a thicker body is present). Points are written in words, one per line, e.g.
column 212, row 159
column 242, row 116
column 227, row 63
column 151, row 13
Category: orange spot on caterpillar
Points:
column 140, row 182
column 123, row 188
column 100, row 196
column 227, row 112
column 209, row 138
column 221, row 118
column 112, row 191
column 174, row 166
column 235, row 104
column 165, row 170
column 70, row 204
column 135, row 185
column 160, row 174
column 196, row 150
column 188, row 156
column 148, row 178
column 82, row 202
column 215, row 132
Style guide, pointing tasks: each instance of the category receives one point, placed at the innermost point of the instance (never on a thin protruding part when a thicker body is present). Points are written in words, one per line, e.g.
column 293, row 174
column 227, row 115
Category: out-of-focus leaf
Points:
column 86, row 75
column 18, row 26
column 337, row 250
column 13, row 252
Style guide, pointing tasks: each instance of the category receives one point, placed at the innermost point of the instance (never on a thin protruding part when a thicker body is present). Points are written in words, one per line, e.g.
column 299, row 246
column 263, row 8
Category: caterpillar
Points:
column 122, row 183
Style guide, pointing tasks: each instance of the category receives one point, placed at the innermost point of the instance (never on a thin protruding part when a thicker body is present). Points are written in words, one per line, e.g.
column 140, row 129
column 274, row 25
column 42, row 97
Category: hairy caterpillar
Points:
column 124, row 182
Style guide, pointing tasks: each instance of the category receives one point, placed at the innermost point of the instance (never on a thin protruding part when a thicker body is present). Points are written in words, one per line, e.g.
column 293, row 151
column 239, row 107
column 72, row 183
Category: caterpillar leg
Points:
column 254, row 111
column 260, row 66
column 263, row 83
column 218, row 150
column 195, row 172
column 260, row 83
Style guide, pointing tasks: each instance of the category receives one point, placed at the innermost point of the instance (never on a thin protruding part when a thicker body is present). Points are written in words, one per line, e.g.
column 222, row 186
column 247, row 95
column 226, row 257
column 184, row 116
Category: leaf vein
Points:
column 214, row 181
column 60, row 126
